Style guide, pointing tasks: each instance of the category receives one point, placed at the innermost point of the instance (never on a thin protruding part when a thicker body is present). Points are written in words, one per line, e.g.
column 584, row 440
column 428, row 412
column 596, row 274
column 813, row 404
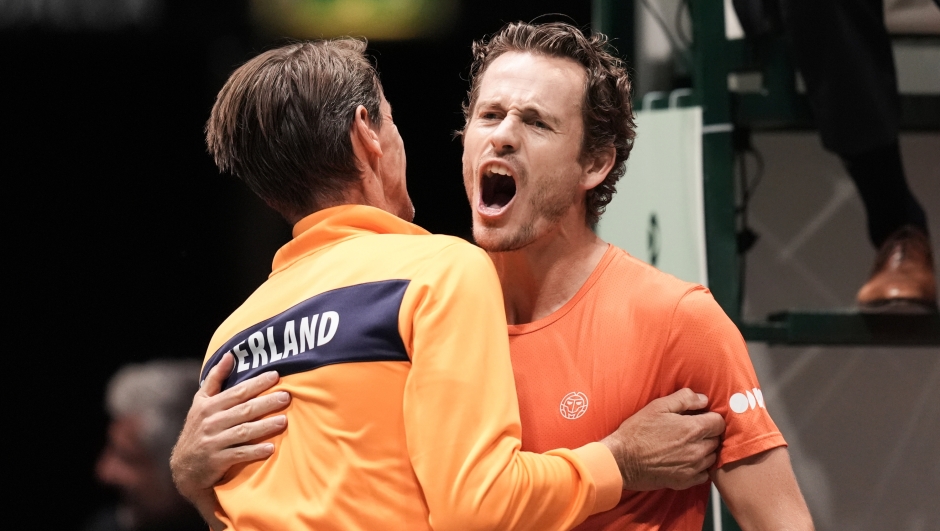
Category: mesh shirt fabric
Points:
column 630, row 335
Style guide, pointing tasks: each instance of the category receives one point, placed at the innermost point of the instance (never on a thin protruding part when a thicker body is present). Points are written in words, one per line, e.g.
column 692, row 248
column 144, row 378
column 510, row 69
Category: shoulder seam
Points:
column 672, row 326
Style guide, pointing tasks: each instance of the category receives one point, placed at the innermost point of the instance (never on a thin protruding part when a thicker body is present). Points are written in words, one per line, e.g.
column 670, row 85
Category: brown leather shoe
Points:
column 902, row 280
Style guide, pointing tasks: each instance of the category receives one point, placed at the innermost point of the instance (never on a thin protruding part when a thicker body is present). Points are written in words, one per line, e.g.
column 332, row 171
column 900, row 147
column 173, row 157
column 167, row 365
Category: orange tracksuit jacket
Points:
column 393, row 344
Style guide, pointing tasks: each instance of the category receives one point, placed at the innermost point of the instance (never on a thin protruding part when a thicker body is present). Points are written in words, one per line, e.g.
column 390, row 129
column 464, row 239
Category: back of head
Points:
column 607, row 108
column 282, row 122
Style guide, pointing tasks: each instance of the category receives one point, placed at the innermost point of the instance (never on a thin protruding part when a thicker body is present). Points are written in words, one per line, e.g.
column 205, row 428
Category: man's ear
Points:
column 365, row 140
column 597, row 166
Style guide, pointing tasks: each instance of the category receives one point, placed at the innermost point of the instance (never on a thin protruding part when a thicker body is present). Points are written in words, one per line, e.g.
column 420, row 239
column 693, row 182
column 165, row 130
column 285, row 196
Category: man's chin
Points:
column 493, row 240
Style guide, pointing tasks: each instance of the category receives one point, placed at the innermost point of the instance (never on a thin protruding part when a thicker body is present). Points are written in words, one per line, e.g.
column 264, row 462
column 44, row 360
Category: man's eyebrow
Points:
column 488, row 103
column 530, row 112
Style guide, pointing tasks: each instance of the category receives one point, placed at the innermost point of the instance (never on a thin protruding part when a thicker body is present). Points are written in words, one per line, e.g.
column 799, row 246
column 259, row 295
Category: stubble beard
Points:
column 546, row 203
column 492, row 242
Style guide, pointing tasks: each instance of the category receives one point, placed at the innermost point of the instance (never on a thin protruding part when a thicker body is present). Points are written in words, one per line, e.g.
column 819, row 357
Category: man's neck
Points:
column 541, row 277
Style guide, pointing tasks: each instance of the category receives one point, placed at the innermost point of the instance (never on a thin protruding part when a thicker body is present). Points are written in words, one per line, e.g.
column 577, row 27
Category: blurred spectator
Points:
column 147, row 404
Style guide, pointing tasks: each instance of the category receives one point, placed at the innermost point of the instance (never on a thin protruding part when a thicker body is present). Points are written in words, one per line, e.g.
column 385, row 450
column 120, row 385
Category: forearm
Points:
column 511, row 490
column 762, row 493
column 218, row 433
column 207, row 504
column 464, row 442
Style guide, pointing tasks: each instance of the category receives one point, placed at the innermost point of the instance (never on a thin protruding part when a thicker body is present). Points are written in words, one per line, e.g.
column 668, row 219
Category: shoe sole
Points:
column 899, row 306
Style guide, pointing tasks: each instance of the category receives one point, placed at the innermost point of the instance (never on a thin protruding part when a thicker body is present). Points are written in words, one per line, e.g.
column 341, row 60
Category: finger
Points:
column 711, row 444
column 250, row 431
column 702, row 465
column 693, row 475
column 711, row 424
column 697, row 479
column 252, row 409
column 217, row 375
column 683, row 400
column 244, row 454
column 695, row 451
column 244, row 391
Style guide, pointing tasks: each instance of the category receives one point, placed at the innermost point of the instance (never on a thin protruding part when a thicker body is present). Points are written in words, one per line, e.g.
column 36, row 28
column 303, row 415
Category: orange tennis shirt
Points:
column 404, row 413
column 630, row 335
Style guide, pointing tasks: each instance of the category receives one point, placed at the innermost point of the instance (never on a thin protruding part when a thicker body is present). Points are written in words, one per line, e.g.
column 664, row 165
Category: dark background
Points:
column 123, row 241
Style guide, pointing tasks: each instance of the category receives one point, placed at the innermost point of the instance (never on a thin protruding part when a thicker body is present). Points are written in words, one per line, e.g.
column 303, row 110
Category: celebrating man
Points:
column 595, row 335
column 389, row 340
column 548, row 128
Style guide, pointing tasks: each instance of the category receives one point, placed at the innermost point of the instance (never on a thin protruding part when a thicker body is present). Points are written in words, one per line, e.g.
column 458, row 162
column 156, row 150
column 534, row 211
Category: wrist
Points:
column 626, row 459
column 193, row 495
column 208, row 506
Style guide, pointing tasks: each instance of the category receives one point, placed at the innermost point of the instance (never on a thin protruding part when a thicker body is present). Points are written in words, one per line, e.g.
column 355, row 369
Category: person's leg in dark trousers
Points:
column 843, row 52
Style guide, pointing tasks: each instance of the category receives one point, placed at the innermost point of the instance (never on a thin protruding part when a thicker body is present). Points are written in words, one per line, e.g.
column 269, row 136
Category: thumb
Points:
column 217, row 375
column 684, row 400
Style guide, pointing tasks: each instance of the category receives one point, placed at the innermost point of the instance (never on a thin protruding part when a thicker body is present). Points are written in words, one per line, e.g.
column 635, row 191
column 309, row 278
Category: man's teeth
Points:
column 499, row 171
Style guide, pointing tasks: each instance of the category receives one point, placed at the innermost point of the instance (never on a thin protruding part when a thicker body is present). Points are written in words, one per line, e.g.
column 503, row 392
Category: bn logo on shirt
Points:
column 740, row 403
column 573, row 405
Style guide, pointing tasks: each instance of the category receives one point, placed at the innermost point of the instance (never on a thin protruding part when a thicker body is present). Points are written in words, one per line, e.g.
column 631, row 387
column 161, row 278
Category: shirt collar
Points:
column 332, row 225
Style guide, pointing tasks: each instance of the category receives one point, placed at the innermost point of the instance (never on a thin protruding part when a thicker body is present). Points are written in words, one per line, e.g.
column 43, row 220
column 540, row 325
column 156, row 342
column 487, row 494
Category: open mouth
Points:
column 497, row 189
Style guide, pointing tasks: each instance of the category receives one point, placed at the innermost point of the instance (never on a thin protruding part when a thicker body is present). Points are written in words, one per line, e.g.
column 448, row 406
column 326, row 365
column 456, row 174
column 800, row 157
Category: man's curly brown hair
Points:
column 607, row 107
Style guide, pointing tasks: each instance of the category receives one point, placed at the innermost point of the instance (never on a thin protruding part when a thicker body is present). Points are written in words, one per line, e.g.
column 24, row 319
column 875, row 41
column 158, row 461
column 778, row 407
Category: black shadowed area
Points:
column 498, row 190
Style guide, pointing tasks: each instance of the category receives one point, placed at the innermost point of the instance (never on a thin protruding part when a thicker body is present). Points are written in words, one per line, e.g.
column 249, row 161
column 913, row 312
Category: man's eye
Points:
column 489, row 116
column 540, row 124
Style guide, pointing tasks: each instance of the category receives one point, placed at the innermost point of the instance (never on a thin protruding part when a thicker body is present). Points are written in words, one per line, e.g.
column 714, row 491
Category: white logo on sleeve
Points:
column 741, row 402
column 573, row 405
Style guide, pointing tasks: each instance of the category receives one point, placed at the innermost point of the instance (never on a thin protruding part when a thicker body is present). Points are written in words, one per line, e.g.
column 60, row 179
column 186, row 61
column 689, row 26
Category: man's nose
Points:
column 505, row 139
column 105, row 467
column 110, row 469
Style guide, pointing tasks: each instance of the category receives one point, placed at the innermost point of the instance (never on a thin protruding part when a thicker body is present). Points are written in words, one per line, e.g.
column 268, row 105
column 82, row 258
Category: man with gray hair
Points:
column 147, row 404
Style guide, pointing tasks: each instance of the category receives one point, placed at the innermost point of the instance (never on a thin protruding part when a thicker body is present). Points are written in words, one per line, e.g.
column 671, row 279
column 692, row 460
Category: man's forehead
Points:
column 532, row 76
column 547, row 65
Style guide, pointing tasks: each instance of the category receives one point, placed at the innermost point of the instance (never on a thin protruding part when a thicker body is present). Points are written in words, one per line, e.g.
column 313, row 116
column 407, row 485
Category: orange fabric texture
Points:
column 430, row 441
column 630, row 335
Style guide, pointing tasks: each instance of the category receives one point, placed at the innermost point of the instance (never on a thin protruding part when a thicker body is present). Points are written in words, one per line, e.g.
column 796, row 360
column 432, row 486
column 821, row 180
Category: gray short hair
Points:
column 159, row 394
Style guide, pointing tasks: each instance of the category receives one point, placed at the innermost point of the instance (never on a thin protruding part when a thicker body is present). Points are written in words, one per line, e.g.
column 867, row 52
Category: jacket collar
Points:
column 330, row 226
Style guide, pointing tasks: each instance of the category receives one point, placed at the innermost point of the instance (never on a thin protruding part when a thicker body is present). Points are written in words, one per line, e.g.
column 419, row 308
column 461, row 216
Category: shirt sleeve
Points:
column 462, row 416
column 706, row 353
